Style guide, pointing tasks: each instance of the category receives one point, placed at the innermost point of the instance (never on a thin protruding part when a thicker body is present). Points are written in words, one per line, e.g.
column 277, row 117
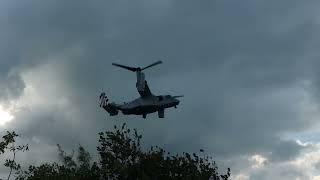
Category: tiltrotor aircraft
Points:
column 147, row 102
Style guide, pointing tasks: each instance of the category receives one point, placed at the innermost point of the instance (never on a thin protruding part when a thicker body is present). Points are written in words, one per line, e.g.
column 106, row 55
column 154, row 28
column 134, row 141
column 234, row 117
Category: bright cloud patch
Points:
column 5, row 116
column 241, row 177
column 258, row 161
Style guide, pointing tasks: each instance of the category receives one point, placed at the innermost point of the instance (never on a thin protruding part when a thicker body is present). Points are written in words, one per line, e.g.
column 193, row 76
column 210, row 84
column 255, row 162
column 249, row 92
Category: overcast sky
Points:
column 248, row 70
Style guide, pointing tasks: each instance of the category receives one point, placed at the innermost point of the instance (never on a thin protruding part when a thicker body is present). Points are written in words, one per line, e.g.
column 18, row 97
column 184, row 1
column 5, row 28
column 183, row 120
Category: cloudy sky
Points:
column 248, row 70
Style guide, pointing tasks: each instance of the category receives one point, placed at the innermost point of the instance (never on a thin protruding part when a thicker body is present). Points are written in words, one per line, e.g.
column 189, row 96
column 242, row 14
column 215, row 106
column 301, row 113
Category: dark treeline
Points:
column 120, row 157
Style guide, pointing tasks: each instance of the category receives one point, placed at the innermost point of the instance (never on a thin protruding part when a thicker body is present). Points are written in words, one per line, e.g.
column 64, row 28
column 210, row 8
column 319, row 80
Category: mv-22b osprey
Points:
column 147, row 102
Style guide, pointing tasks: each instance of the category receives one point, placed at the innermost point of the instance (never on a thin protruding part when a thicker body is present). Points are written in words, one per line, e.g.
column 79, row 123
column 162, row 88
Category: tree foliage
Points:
column 8, row 143
column 122, row 157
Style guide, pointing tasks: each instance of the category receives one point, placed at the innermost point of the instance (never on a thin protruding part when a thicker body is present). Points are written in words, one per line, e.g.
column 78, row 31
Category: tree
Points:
column 8, row 142
column 68, row 168
column 121, row 157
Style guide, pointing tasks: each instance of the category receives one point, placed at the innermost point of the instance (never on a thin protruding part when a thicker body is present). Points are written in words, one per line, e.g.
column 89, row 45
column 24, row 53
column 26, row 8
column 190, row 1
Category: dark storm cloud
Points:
column 240, row 64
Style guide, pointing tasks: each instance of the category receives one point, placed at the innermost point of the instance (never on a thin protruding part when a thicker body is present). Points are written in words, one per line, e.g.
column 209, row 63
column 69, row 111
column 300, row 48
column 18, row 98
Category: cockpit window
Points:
column 160, row 98
column 168, row 96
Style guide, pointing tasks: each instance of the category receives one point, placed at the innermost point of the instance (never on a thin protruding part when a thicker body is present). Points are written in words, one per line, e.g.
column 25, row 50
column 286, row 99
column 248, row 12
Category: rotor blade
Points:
column 153, row 64
column 125, row 67
column 178, row 96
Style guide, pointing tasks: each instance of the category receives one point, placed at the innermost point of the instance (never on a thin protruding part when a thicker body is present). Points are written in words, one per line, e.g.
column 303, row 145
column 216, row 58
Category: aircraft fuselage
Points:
column 147, row 105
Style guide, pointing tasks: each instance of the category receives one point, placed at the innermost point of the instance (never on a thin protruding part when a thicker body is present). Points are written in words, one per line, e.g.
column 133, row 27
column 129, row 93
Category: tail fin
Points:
column 103, row 99
column 111, row 108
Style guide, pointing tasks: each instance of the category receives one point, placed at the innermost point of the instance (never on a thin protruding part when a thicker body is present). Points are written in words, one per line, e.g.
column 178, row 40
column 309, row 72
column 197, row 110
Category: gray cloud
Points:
column 242, row 66
column 285, row 172
column 11, row 87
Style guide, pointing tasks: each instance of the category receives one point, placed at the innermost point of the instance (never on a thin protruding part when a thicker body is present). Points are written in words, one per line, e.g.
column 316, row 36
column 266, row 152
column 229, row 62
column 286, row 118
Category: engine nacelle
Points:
column 141, row 82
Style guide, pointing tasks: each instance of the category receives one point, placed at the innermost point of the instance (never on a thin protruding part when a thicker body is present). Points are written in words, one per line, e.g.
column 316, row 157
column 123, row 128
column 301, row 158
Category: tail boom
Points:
column 111, row 108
